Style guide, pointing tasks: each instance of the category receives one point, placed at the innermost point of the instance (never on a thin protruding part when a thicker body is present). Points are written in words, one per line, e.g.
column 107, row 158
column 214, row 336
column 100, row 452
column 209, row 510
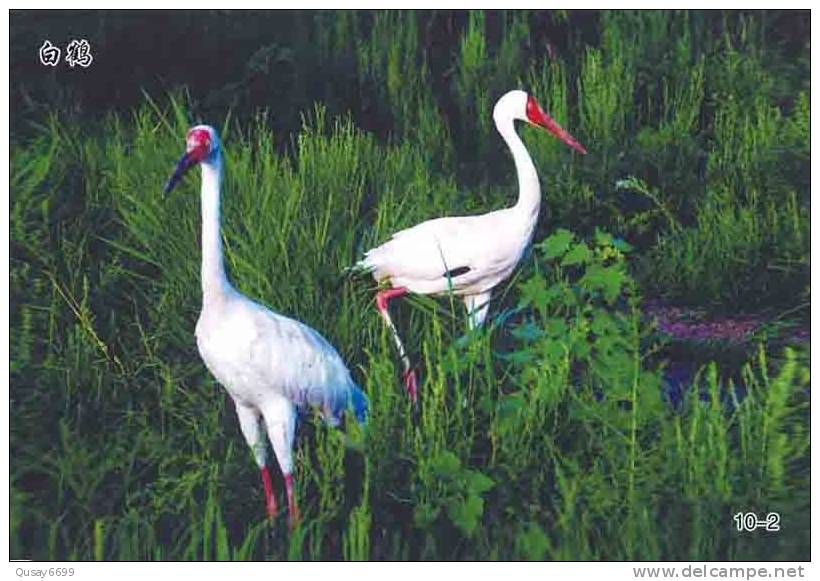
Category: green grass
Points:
column 545, row 435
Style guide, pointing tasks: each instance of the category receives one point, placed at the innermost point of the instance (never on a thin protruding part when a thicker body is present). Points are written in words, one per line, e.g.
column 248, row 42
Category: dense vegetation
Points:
column 551, row 434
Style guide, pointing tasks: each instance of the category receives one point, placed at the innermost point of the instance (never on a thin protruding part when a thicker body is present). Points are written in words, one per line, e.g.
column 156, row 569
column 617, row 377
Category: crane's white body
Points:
column 467, row 255
column 258, row 355
column 420, row 258
column 268, row 363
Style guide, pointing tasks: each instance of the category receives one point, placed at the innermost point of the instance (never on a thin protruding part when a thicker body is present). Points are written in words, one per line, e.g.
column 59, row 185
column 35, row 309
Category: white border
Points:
column 340, row 572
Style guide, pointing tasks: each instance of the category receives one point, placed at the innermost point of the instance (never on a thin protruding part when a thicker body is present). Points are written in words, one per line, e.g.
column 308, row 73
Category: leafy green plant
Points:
column 460, row 493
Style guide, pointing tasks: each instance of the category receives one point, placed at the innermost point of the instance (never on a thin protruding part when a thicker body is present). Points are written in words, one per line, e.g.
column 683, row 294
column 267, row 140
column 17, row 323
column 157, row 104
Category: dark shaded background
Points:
column 278, row 60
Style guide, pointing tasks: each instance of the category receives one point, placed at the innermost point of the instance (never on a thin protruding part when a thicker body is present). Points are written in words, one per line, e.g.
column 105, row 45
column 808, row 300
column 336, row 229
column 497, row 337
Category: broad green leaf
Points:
column 607, row 279
column 554, row 349
column 578, row 254
column 555, row 327
column 602, row 323
column 466, row 514
column 556, row 244
column 603, row 238
column 446, row 464
column 531, row 543
column 534, row 291
column 480, row 482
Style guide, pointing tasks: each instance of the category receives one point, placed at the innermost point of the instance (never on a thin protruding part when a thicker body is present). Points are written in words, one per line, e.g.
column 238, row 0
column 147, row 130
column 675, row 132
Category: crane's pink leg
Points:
column 293, row 509
column 383, row 299
column 410, row 384
column 270, row 499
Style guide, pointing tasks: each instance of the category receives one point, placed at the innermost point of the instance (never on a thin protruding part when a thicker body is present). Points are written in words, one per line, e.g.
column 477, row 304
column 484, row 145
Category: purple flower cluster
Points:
column 694, row 325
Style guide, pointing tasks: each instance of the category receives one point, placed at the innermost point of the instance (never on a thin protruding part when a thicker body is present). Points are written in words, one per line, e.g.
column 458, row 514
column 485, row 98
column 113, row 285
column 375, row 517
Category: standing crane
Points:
column 466, row 255
column 270, row 365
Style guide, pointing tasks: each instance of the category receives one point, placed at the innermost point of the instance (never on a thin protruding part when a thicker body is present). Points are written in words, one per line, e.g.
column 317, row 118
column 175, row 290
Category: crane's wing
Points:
column 307, row 367
column 437, row 255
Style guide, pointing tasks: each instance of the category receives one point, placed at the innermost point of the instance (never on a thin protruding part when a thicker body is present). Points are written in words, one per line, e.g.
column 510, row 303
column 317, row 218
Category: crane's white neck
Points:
column 215, row 284
column 529, row 190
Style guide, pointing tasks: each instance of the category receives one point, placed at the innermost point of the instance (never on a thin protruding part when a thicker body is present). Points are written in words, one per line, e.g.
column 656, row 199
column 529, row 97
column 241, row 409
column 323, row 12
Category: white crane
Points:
column 466, row 255
column 269, row 364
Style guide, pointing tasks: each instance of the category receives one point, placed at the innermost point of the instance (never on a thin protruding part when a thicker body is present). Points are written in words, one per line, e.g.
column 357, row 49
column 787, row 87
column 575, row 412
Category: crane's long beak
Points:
column 539, row 117
column 562, row 134
column 183, row 165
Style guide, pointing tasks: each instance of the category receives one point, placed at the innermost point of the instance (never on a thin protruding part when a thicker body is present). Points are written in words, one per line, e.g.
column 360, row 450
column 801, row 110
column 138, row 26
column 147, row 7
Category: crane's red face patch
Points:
column 198, row 144
column 537, row 116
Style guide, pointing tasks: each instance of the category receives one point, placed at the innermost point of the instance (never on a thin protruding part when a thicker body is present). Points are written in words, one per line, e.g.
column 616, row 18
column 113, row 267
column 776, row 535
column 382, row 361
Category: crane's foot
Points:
column 271, row 510
column 270, row 499
column 411, row 385
column 294, row 518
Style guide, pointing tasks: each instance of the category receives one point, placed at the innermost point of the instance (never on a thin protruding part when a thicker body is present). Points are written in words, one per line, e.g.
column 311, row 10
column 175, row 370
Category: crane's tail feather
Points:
column 363, row 266
column 359, row 404
column 351, row 399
